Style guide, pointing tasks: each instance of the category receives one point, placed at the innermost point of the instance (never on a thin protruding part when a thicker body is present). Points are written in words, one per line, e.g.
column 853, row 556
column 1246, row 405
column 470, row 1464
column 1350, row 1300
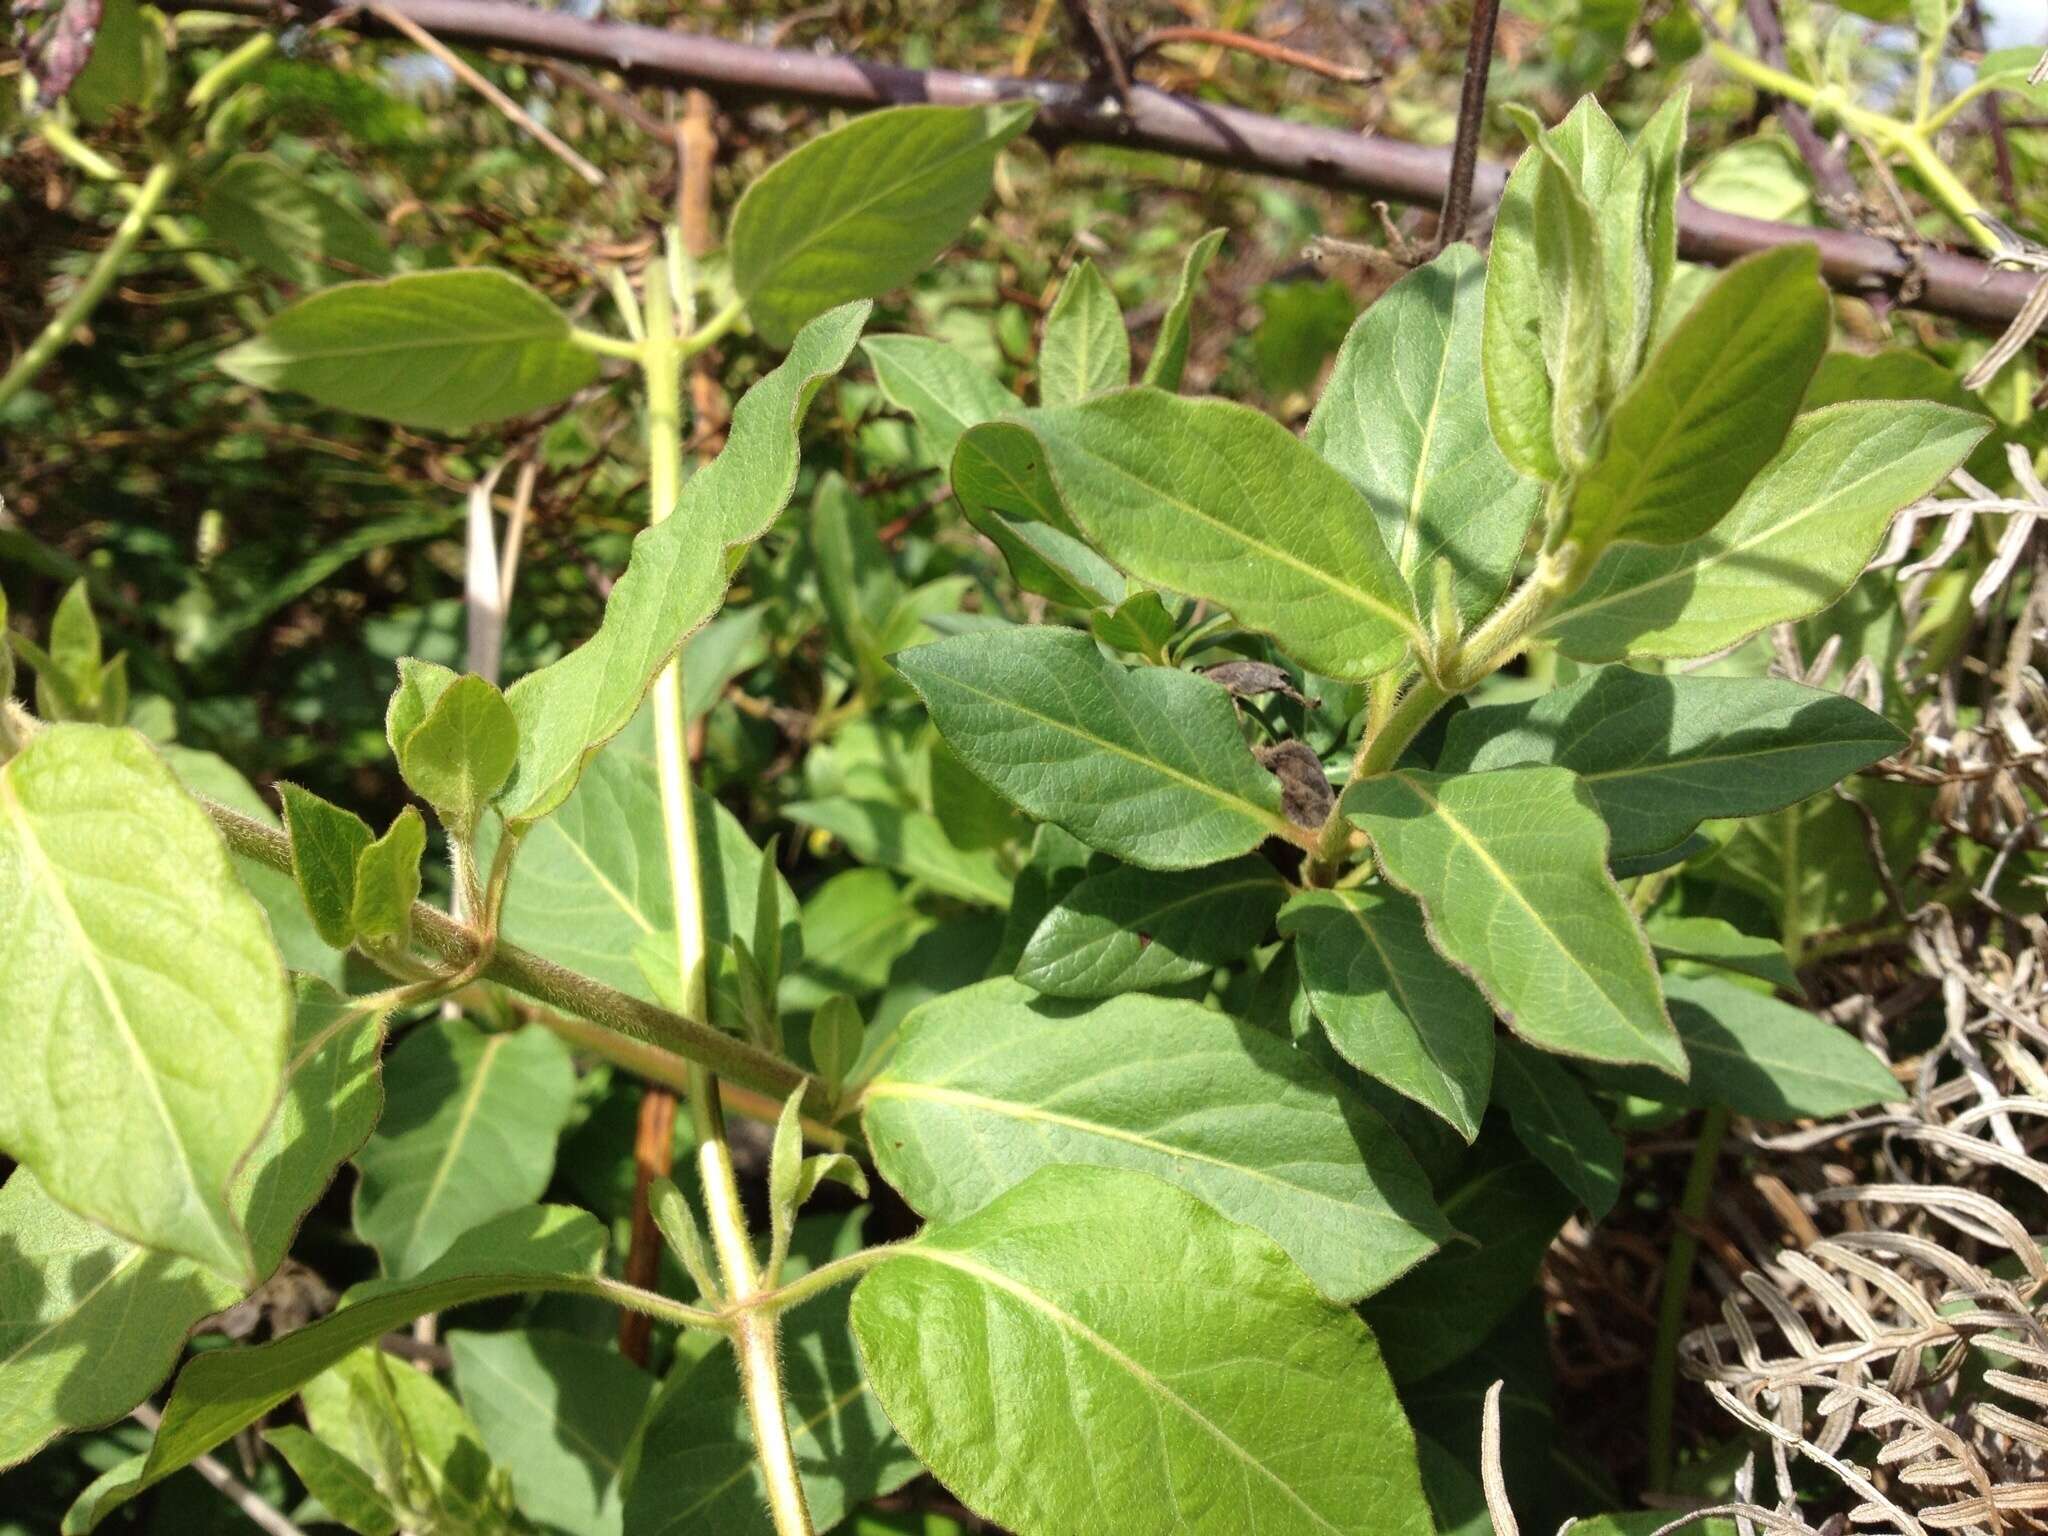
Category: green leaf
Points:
column 286, row 225
column 837, row 1035
column 441, row 350
column 460, row 755
column 1392, row 1006
column 326, row 842
column 343, row 1488
column 1096, row 1348
column 944, row 391
column 540, row 1248
column 112, row 989
column 1511, row 871
column 674, row 579
column 1148, row 765
column 75, row 647
column 420, row 686
column 697, row 1470
column 388, row 882
column 991, row 1083
column 1557, row 1120
column 998, row 472
column 1761, row 1057
column 911, row 842
column 90, row 1324
column 1712, row 407
column 1659, row 755
column 1140, row 623
column 1796, row 540
column 855, row 925
column 862, row 209
column 1217, row 501
column 856, row 582
column 1169, row 359
column 1507, row 1210
column 559, row 1413
column 1715, row 941
column 468, row 1134
column 1404, row 417
column 1086, row 350
column 1134, row 930
column 2010, row 69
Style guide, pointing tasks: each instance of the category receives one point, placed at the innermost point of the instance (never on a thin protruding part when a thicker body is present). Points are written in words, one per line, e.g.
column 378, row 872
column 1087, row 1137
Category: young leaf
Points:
column 1511, row 870
column 292, row 229
column 1392, row 1006
column 388, row 882
column 75, row 648
column 1169, row 357
column 1573, row 303
column 461, row 753
column 860, row 210
column 111, row 990
column 1140, row 623
column 1797, row 538
column 944, row 391
column 558, row 1413
column 1148, row 765
column 441, row 350
column 990, row 1084
column 540, row 1248
column 1659, row 755
column 837, row 1035
column 1086, row 350
column 420, row 686
column 326, row 842
column 1134, row 930
column 1137, row 1352
column 1404, row 417
column 1761, row 1057
column 910, row 841
column 1556, row 1120
column 675, row 577
column 469, row 1133
column 1711, row 409
column 343, row 1488
column 1218, row 501
column 855, row 580
column 998, row 472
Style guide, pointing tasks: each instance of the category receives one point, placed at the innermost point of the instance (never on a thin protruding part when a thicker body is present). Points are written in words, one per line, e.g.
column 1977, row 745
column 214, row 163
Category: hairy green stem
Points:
column 1692, row 1206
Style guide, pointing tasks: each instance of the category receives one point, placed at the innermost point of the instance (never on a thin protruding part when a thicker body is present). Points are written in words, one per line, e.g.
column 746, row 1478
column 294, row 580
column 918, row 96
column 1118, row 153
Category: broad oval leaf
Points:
column 1149, row 765
column 541, row 1248
column 1511, row 869
column 1219, row 501
column 288, row 226
column 1099, row 1353
column 674, row 579
column 1404, row 417
column 113, row 990
column 1661, row 754
column 469, row 1133
column 442, row 350
column 1711, row 408
column 860, row 210
column 1796, row 540
column 991, row 1083
column 1392, row 1006
column 1133, row 930
column 1086, row 349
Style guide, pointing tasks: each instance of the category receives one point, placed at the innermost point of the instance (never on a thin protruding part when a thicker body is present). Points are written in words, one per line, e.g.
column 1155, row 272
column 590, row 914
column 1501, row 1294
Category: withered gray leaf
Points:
column 1305, row 794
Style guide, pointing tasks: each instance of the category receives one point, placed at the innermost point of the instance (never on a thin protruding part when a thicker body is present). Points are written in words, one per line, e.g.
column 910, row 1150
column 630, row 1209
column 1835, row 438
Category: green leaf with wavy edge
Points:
column 1392, row 1006
column 1404, row 417
column 1558, row 1121
column 1659, row 755
column 441, row 350
column 469, row 1133
column 326, row 842
column 1169, row 357
column 992, row 1083
column 541, row 1248
column 90, row 1324
column 1796, row 540
column 1135, row 930
column 1711, row 409
column 1149, row 765
column 1086, row 349
column 1099, row 1353
column 1511, row 871
column 1212, row 499
column 111, row 990
column 862, row 209
column 675, row 577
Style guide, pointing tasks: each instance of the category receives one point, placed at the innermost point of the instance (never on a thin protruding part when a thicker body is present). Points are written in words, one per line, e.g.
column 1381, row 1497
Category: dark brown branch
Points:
column 1071, row 112
column 1457, row 205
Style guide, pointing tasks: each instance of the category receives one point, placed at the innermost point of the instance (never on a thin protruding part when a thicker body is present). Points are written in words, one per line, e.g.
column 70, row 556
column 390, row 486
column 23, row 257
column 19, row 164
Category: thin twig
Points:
column 1457, row 204
column 1244, row 42
column 1106, row 67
